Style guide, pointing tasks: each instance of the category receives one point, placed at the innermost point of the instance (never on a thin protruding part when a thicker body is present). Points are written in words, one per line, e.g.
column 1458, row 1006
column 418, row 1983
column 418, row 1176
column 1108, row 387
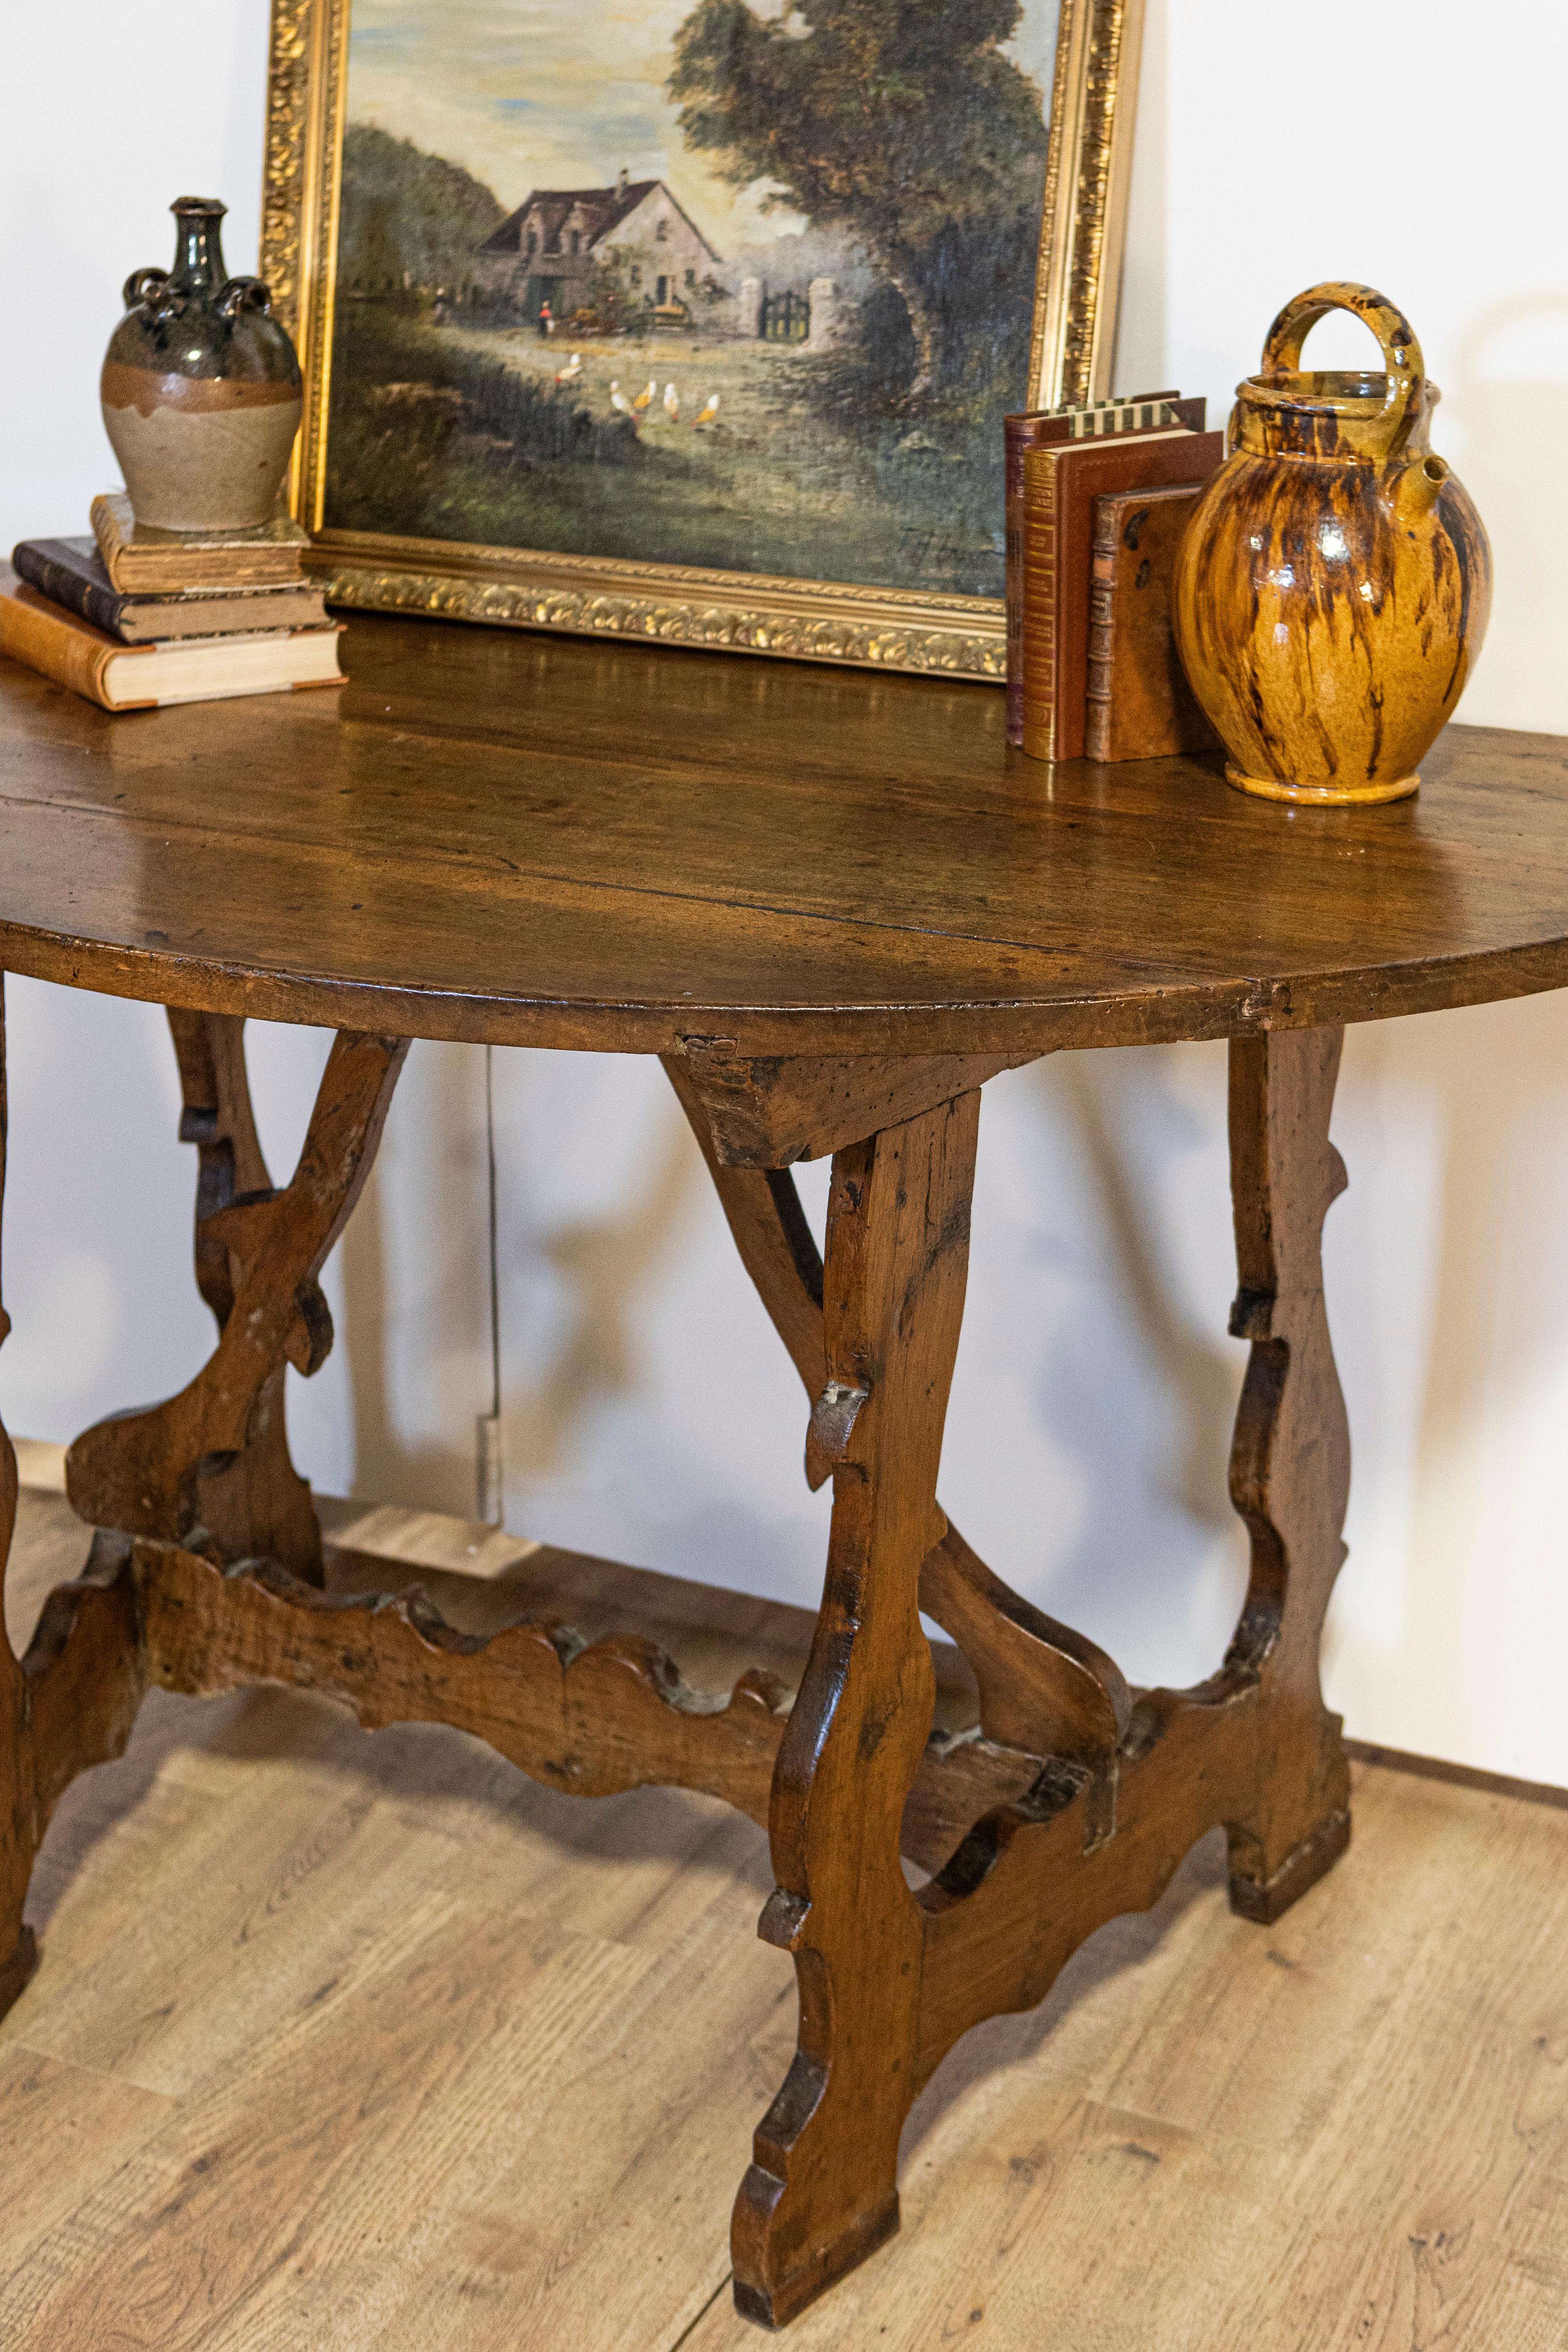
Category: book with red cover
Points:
column 1060, row 486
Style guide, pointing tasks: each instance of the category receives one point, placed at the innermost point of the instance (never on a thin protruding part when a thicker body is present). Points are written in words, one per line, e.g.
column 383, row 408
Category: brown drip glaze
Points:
column 1333, row 584
column 144, row 389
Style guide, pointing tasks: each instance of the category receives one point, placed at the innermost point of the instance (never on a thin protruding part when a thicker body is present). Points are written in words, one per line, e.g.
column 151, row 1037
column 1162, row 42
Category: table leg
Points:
column 68, row 1703
column 211, row 1465
column 1289, row 1463
column 1044, row 1688
column 18, row 1952
column 822, row 2191
column 257, row 1505
column 18, row 1842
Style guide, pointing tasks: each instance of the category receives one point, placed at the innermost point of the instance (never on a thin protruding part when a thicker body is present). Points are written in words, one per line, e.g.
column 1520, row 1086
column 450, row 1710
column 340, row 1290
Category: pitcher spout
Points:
column 1417, row 490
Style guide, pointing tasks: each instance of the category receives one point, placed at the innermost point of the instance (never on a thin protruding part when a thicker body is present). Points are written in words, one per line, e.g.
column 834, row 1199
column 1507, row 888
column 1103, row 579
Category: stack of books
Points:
column 1097, row 499
column 134, row 618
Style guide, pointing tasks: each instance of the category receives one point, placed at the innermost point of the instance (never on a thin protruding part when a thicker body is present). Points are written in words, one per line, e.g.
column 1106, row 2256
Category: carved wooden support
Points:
column 770, row 1111
column 1035, row 1842
column 587, row 1719
column 1254, row 1749
column 213, row 1459
column 67, row 1704
column 258, row 1505
column 1129, row 1788
column 1290, row 1467
column 822, row 2188
column 1044, row 1688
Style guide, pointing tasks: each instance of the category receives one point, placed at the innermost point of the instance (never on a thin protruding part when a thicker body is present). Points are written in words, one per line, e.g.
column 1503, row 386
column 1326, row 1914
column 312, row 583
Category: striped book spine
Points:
column 1038, row 603
column 1126, row 416
column 1023, row 433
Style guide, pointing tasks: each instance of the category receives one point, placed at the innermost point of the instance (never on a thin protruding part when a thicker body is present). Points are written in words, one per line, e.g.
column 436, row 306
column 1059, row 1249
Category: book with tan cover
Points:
column 1140, row 705
column 141, row 560
column 146, row 677
column 1060, row 486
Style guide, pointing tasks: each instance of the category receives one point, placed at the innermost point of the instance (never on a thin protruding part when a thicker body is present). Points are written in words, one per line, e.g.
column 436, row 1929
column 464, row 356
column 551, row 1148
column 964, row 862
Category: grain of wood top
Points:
column 491, row 836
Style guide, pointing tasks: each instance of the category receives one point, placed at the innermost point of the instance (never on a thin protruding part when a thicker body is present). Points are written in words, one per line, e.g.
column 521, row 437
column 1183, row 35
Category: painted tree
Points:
column 404, row 210
column 899, row 120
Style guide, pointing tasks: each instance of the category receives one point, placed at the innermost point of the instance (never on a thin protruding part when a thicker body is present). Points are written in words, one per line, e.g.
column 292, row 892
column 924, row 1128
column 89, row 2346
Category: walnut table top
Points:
column 528, row 840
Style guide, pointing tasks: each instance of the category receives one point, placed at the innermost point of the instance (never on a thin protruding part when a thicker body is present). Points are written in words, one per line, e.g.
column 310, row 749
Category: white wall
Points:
column 650, row 1413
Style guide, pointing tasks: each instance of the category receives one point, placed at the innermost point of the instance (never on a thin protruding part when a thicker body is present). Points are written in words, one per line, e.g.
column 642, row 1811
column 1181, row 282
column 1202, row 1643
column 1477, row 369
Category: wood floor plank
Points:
column 60, row 2124
column 1348, row 2130
column 343, row 2040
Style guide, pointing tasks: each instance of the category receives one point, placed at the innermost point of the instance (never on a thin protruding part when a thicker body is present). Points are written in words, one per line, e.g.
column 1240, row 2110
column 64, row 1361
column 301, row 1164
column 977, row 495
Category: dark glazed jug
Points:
column 1333, row 583
column 201, row 387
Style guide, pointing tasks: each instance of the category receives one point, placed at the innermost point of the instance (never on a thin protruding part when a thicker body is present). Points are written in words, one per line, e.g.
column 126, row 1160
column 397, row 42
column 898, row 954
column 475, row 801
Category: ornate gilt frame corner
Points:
column 1088, row 174
column 1077, row 281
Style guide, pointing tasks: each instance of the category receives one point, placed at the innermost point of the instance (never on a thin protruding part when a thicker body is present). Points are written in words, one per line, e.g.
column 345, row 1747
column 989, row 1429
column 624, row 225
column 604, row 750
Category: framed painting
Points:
column 692, row 320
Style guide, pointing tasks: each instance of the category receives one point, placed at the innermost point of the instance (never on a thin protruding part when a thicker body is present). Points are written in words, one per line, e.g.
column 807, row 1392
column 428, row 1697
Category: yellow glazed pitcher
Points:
column 1333, row 583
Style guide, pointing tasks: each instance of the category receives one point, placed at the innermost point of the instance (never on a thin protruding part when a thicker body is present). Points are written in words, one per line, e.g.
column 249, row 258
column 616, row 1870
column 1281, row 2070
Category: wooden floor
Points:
column 342, row 2043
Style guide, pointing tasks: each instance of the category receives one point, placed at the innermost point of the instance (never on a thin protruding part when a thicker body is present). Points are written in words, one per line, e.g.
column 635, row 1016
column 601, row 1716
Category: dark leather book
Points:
column 72, row 572
column 1140, row 706
column 1060, row 486
column 1040, row 428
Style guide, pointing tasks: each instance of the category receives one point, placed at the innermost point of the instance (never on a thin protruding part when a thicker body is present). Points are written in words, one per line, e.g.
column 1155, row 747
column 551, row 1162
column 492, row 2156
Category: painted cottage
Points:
column 545, row 251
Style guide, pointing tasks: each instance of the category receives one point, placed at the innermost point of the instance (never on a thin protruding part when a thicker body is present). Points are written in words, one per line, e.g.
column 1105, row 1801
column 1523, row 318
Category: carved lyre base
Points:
column 1069, row 1800
column 890, row 1979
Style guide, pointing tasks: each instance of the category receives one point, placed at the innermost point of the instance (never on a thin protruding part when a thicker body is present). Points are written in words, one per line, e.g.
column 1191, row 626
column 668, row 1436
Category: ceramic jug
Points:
column 1332, row 585
column 201, row 387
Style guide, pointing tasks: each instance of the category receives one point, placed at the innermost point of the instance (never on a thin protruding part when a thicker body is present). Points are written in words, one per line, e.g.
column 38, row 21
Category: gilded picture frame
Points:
column 1077, row 286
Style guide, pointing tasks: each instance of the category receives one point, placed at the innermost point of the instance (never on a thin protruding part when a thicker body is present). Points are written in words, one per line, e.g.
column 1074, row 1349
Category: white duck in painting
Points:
column 672, row 404
column 618, row 399
column 708, row 411
column 571, row 371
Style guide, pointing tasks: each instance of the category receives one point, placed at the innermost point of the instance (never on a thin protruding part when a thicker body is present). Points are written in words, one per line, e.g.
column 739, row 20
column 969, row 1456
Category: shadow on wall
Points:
column 1142, row 343
column 98, row 1192
column 574, row 1287
column 1088, row 1444
column 1200, row 1369
column 605, row 1265
column 650, row 1413
column 1450, row 1632
column 1509, row 404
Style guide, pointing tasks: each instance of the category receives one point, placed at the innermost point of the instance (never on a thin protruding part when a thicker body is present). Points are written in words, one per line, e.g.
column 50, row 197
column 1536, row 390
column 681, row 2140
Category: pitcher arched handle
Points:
column 1402, row 360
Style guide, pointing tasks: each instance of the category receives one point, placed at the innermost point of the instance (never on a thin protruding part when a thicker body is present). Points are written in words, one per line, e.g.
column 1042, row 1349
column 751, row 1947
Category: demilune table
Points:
column 835, row 905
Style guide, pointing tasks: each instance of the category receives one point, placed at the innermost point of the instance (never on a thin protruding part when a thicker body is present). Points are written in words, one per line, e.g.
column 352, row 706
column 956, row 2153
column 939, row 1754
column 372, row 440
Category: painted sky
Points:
column 563, row 93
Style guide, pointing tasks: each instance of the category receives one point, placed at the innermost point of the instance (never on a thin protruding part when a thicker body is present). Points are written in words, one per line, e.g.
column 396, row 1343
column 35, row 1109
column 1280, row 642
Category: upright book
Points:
column 1143, row 412
column 1060, row 486
column 1140, row 706
column 144, row 677
column 71, row 571
column 144, row 562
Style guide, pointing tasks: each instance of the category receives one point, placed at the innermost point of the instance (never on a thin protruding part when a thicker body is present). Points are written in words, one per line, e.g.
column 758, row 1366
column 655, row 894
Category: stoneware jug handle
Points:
column 151, row 287
column 244, row 294
column 1401, row 352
